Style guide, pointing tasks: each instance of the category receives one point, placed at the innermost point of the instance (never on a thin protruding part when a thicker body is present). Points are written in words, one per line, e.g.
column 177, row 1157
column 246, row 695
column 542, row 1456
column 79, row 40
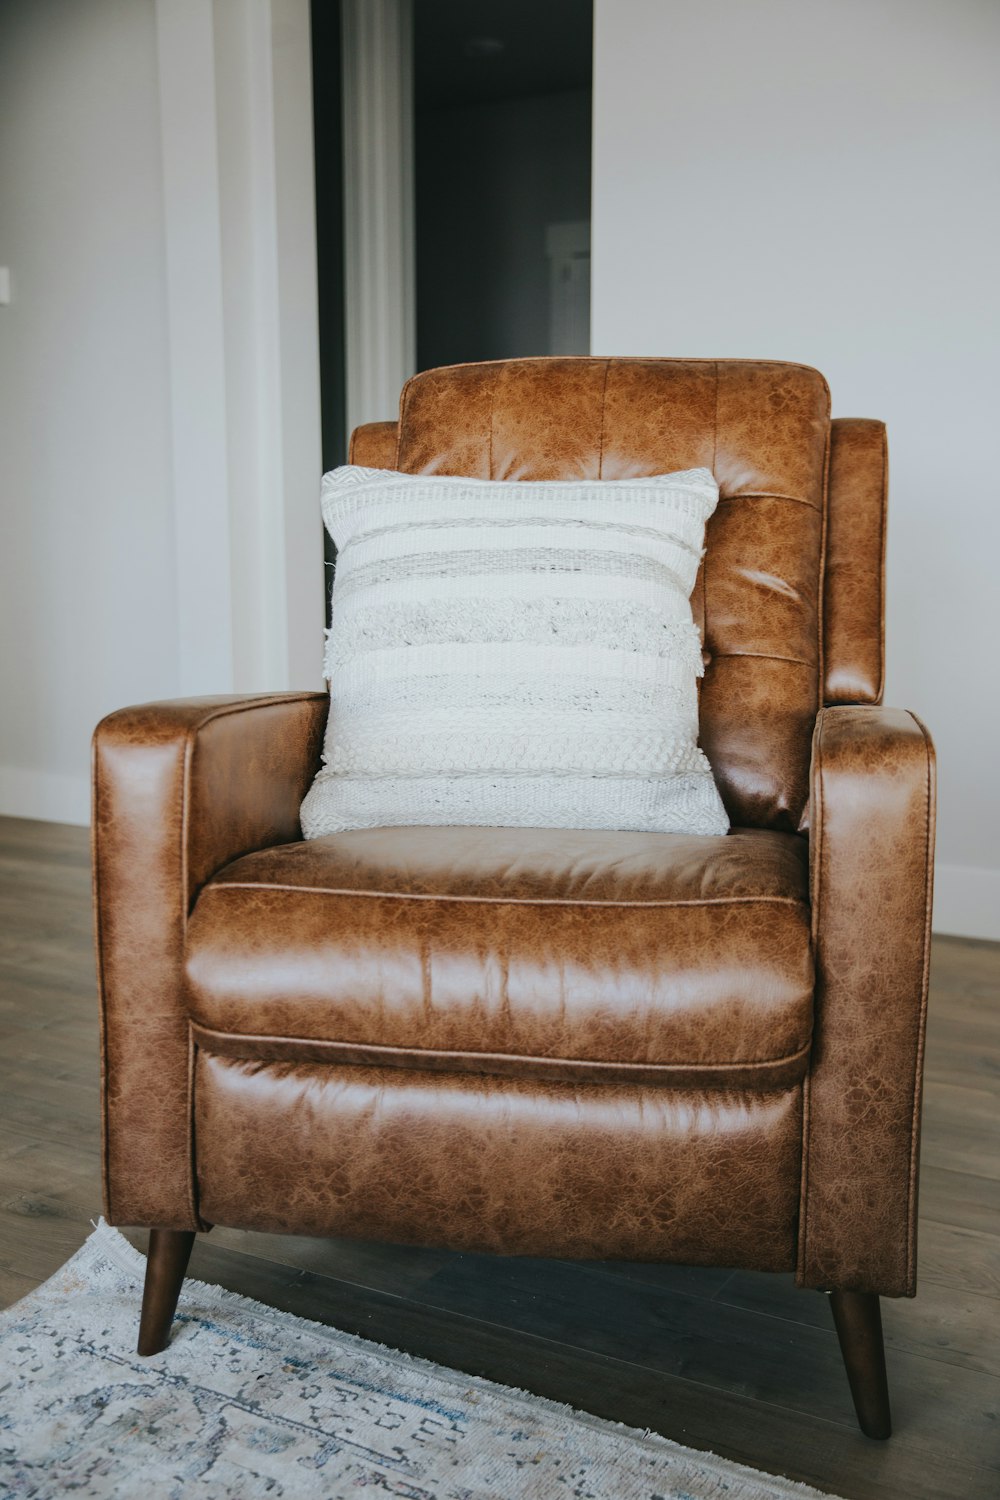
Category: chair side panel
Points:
column 871, row 850
column 854, row 594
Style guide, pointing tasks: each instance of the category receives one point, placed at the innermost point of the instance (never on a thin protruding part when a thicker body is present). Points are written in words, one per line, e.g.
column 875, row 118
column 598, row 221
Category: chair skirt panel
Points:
column 528, row 1041
column 508, row 1166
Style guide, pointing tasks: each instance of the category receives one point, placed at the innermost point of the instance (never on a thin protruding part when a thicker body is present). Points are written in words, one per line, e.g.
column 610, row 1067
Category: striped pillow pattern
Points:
column 514, row 654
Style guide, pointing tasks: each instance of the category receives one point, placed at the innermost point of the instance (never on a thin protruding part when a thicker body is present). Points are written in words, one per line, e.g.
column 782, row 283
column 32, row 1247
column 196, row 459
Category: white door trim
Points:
column 193, row 244
column 379, row 256
column 236, row 118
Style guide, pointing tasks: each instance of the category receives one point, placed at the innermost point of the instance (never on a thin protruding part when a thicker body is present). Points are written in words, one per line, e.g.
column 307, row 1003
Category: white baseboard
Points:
column 46, row 795
column 967, row 901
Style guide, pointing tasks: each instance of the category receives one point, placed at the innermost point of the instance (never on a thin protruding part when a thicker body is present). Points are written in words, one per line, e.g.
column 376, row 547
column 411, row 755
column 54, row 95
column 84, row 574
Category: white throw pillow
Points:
column 514, row 654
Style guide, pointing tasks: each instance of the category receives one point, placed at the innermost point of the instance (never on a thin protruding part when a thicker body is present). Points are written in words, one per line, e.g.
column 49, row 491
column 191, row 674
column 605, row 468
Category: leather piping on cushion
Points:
column 629, row 905
column 438, row 940
column 773, row 1073
column 538, row 867
column 692, row 986
column 509, row 1166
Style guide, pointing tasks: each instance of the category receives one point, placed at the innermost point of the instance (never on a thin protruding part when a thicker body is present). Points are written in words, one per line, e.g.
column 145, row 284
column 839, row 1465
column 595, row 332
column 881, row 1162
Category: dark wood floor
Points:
column 744, row 1365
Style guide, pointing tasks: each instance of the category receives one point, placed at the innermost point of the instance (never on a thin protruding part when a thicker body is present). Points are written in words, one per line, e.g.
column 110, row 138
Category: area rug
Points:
column 248, row 1401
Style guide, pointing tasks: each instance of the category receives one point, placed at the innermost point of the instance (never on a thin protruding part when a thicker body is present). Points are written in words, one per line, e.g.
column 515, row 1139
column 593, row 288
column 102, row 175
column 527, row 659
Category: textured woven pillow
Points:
column 514, row 654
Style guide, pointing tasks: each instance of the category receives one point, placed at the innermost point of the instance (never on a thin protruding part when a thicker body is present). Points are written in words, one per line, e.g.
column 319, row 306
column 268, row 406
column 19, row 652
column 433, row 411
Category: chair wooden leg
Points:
column 166, row 1261
column 858, row 1321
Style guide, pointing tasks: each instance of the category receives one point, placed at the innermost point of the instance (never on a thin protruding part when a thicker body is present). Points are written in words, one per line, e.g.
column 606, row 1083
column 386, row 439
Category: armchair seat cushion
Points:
column 555, row 954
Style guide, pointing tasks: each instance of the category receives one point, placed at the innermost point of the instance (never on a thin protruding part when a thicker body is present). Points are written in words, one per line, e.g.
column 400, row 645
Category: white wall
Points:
column 159, row 415
column 88, row 605
column 816, row 180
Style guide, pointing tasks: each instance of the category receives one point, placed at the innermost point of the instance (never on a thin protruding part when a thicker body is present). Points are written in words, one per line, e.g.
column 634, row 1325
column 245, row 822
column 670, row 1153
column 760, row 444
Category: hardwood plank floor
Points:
column 742, row 1364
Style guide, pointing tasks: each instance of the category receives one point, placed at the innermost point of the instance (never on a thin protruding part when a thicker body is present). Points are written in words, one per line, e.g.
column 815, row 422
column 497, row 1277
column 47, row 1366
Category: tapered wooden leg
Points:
column 858, row 1320
column 166, row 1261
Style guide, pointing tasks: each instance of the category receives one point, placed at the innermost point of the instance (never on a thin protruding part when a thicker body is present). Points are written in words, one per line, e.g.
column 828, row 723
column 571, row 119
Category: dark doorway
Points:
column 502, row 147
column 502, row 96
column 328, row 149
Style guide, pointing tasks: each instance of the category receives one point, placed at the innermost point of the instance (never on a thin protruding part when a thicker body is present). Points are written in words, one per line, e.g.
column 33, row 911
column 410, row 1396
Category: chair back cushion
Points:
column 762, row 427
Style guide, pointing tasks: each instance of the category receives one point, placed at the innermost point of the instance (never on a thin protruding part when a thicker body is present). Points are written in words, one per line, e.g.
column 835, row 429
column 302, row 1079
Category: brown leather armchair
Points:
column 540, row 1042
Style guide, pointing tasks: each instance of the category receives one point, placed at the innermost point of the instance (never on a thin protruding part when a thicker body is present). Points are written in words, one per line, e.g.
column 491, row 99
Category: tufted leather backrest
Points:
column 763, row 428
column 536, row 419
column 854, row 571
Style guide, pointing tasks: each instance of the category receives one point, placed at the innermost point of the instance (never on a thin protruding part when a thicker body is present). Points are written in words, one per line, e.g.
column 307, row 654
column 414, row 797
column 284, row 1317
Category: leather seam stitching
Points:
column 98, row 930
column 269, row 700
column 192, row 1144
column 198, row 1030
column 705, row 606
column 815, row 900
column 821, row 572
column 883, row 530
column 320, row 890
column 604, row 401
column 768, row 495
column 715, row 427
column 493, row 400
column 795, row 661
column 924, row 978
column 184, row 914
column 404, row 397
column 646, row 359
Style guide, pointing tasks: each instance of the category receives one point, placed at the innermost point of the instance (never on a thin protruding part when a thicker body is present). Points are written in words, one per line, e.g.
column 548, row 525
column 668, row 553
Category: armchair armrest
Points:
column 179, row 789
column 871, row 864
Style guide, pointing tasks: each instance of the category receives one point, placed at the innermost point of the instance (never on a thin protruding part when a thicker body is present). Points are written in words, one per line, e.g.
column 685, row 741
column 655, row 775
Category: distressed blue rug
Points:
column 250, row 1402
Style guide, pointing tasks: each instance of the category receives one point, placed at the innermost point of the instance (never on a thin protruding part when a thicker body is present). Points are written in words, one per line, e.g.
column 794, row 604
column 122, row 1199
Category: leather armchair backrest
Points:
column 854, row 573
column 763, row 428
